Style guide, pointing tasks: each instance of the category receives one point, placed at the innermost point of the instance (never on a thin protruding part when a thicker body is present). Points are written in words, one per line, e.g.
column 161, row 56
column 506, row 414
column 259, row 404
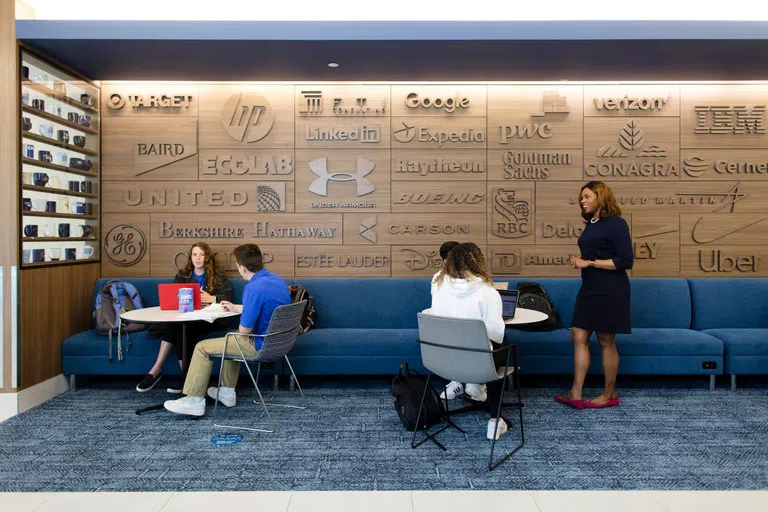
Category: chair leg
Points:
column 431, row 436
column 711, row 382
column 491, row 464
column 733, row 383
column 73, row 383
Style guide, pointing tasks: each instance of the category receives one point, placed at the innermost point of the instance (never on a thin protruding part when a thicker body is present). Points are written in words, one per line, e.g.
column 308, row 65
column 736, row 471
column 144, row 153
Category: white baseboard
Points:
column 12, row 404
column 9, row 406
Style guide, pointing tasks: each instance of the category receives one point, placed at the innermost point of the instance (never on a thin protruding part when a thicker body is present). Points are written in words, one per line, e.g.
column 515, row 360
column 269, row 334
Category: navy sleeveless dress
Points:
column 602, row 304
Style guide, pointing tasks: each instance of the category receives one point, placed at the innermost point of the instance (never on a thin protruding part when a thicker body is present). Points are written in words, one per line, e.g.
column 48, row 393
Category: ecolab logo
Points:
column 247, row 117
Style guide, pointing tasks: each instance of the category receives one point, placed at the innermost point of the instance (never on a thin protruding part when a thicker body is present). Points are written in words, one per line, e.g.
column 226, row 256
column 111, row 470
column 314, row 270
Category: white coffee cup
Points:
column 88, row 251
column 28, row 178
column 38, row 205
column 54, row 182
column 49, row 229
column 63, row 205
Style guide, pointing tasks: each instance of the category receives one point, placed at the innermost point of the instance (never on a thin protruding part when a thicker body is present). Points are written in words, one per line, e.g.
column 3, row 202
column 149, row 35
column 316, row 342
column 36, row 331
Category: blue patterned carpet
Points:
column 351, row 439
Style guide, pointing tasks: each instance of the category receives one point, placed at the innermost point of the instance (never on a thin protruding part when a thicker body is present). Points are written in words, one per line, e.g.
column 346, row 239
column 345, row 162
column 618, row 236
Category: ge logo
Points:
column 115, row 101
column 247, row 117
column 125, row 245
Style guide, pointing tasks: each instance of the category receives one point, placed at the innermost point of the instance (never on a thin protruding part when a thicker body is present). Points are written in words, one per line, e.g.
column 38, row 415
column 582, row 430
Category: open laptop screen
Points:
column 508, row 303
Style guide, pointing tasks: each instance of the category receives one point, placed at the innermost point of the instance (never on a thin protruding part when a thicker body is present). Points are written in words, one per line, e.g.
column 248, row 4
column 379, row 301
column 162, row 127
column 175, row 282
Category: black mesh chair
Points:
column 458, row 349
column 278, row 341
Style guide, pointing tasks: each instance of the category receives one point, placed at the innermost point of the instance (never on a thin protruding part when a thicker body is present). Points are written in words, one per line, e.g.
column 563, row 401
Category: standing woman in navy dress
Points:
column 602, row 305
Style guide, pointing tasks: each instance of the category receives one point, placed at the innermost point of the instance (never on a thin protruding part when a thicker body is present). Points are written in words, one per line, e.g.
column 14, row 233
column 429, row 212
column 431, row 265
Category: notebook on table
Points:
column 508, row 303
column 169, row 295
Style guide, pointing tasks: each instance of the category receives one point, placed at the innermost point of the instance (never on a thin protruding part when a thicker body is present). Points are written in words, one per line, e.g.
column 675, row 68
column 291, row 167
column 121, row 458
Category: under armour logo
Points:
column 320, row 185
column 366, row 228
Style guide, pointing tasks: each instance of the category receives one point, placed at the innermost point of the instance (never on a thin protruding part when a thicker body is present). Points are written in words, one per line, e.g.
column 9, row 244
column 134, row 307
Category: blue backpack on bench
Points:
column 114, row 298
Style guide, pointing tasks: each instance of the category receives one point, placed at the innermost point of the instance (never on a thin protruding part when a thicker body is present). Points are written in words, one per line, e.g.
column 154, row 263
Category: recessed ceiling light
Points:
column 333, row 64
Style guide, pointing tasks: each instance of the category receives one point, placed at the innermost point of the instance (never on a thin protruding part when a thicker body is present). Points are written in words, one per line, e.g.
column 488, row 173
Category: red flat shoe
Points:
column 613, row 402
column 576, row 404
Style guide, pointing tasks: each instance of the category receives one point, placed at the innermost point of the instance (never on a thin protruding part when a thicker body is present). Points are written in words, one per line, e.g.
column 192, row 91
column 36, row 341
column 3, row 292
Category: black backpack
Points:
column 533, row 296
column 298, row 294
column 407, row 388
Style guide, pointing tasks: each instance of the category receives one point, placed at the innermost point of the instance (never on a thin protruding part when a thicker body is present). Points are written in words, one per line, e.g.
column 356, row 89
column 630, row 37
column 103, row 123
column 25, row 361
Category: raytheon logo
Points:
column 247, row 117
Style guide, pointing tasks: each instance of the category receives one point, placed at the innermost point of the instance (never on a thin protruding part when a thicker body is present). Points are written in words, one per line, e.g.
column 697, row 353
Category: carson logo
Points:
column 247, row 117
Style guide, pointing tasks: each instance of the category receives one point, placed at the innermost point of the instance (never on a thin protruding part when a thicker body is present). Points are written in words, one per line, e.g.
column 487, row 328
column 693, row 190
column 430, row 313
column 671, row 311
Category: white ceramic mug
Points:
column 64, row 204
column 29, row 178
column 54, row 182
column 54, row 254
column 38, row 205
column 88, row 251
column 49, row 229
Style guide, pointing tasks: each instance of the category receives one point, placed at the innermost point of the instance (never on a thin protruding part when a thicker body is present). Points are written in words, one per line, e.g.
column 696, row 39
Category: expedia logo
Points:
column 247, row 117
column 116, row 101
column 407, row 133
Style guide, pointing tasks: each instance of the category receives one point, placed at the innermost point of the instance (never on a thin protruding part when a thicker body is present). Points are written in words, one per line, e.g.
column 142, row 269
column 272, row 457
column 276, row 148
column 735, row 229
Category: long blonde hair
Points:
column 465, row 261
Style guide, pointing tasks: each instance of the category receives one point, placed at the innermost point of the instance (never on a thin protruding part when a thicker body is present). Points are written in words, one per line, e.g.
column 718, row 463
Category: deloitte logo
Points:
column 247, row 117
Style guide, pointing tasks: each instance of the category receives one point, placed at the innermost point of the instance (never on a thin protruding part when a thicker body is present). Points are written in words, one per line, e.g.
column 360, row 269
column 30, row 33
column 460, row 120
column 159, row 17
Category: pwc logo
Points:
column 247, row 117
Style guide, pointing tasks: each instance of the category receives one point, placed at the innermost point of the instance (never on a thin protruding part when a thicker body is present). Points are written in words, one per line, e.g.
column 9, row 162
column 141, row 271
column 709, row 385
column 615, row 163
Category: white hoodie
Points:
column 469, row 298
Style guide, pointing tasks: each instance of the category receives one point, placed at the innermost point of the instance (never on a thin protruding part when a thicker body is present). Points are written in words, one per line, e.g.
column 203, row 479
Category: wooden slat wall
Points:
column 9, row 150
column 55, row 303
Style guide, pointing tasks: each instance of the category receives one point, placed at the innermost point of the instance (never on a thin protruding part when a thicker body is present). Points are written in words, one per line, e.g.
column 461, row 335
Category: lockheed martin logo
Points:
column 320, row 185
column 247, row 117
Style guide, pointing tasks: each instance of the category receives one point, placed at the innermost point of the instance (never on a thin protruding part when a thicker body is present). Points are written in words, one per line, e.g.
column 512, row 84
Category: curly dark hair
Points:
column 464, row 262
column 212, row 273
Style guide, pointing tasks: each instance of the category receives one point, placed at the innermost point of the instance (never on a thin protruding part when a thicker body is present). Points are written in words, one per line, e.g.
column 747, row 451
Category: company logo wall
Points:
column 345, row 180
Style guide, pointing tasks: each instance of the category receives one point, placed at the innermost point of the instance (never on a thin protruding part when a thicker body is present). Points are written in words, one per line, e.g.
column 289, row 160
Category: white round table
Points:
column 155, row 315
column 526, row 316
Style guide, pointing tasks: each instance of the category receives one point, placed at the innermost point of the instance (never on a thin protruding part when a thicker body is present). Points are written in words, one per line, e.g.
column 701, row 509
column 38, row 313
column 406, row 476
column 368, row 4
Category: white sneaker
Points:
column 191, row 405
column 492, row 425
column 477, row 392
column 452, row 390
column 226, row 395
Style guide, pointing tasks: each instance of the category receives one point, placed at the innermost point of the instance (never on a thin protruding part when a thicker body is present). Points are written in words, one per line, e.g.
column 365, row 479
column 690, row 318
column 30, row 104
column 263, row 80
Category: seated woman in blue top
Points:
column 201, row 268
column 264, row 293
column 602, row 304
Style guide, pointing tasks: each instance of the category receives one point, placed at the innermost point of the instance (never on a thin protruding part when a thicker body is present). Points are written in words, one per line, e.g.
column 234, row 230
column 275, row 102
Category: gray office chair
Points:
column 457, row 349
column 278, row 341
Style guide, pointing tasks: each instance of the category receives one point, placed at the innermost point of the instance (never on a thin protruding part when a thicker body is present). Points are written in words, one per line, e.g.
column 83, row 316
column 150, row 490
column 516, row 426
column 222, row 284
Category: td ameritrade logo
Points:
column 406, row 133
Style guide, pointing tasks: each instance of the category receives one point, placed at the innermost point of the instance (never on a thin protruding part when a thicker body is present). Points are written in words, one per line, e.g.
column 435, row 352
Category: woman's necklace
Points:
column 593, row 220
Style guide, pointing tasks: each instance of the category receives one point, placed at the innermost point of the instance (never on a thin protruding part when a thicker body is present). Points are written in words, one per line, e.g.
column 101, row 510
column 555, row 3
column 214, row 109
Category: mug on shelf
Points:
column 54, row 254
column 25, row 72
column 73, row 117
column 59, row 87
column 74, row 186
column 87, row 251
column 41, row 78
column 80, row 163
column 28, row 178
column 87, row 230
column 40, row 178
column 49, row 229
column 50, row 206
column 79, row 140
column 38, row 255
column 64, row 230
column 26, row 256
column 54, row 182
column 29, row 150
column 26, row 204
column 45, row 129
column 25, row 98
column 61, row 158
column 38, row 103
column 26, row 124
column 88, row 208
column 85, row 120
column 70, row 253
column 44, row 156
column 86, row 99
column 86, row 187
column 58, row 110
column 38, row 204
column 63, row 136
column 64, row 204
column 30, row 230
column 76, row 207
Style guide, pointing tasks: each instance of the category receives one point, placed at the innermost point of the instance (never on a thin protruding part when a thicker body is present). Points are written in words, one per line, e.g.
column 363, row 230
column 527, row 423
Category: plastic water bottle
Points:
column 186, row 302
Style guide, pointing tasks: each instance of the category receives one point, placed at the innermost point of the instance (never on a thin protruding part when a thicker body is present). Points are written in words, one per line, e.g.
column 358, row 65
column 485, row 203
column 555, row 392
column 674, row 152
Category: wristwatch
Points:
column 591, row 263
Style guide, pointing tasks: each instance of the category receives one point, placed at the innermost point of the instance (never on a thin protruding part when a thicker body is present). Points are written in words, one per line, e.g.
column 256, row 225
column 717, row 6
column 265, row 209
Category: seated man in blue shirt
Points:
column 262, row 295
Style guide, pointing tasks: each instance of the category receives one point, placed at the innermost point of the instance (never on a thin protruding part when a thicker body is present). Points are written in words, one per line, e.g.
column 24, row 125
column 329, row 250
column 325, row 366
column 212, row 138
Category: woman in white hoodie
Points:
column 464, row 289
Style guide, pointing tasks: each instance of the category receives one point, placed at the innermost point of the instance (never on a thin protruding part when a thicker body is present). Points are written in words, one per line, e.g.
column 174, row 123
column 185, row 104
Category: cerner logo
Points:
column 247, row 117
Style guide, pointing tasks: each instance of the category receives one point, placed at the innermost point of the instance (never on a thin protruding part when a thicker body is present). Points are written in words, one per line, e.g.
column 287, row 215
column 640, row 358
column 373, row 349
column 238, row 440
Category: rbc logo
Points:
column 247, row 117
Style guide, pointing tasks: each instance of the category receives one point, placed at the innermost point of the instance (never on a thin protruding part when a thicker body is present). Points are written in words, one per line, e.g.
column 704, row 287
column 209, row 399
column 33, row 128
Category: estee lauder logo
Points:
column 729, row 119
column 406, row 133
column 367, row 133
column 533, row 165
column 226, row 165
column 117, row 101
column 630, row 103
column 438, row 166
column 262, row 229
column 439, row 198
column 413, row 100
column 344, row 261
column 718, row 261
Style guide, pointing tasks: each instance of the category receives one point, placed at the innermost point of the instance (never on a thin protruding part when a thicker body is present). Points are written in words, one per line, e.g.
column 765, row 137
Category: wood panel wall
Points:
column 55, row 304
column 369, row 179
column 9, row 202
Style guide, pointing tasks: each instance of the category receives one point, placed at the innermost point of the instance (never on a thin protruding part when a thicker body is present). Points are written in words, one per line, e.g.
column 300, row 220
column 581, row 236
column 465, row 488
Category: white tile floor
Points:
column 395, row 501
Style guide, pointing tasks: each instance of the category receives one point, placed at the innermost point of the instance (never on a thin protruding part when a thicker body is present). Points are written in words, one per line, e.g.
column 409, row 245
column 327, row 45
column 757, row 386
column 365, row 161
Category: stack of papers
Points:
column 209, row 314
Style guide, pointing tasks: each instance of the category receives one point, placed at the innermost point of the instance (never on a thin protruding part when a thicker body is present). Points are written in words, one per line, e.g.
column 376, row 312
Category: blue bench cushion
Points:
column 357, row 342
column 91, row 343
column 742, row 342
column 642, row 342
column 734, row 303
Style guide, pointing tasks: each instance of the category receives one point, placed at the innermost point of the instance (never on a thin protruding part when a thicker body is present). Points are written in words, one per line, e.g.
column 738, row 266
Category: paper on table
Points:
column 209, row 314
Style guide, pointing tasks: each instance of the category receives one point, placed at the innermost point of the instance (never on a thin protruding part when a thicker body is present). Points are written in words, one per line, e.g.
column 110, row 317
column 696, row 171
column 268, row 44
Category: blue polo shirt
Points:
column 264, row 293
